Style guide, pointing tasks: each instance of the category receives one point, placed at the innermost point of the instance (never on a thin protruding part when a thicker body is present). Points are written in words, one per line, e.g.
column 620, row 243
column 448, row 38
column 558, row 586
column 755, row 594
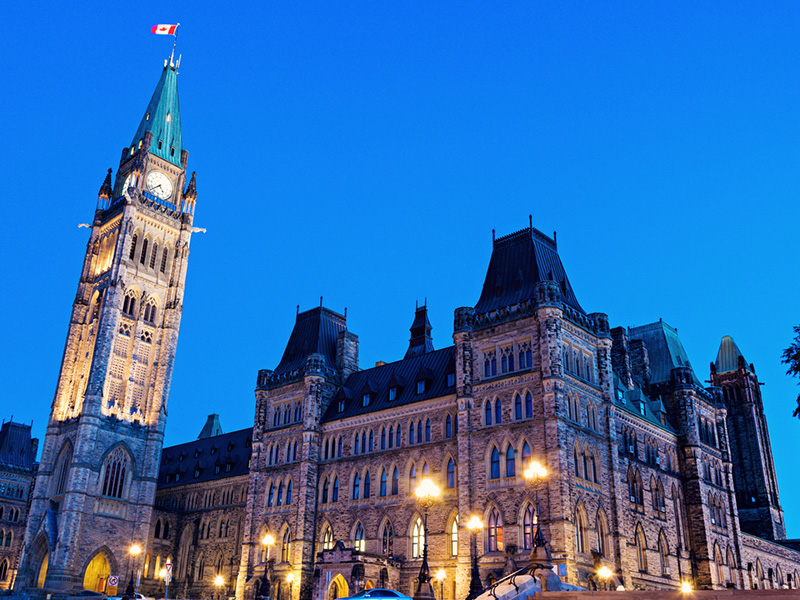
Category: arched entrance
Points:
column 338, row 588
column 96, row 574
column 43, row 571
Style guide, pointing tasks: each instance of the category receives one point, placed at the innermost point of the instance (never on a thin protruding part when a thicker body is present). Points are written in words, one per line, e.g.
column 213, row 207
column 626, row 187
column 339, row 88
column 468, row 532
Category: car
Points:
column 376, row 593
column 89, row 594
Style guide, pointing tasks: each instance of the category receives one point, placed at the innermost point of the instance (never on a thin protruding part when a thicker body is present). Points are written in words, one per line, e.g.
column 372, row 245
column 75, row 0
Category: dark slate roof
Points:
column 728, row 355
column 421, row 341
column 211, row 428
column 16, row 446
column 315, row 332
column 404, row 374
column 519, row 261
column 664, row 349
column 635, row 401
column 205, row 455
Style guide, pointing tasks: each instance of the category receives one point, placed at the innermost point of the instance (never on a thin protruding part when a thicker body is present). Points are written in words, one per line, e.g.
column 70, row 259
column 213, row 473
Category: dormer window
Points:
column 451, row 379
column 147, row 117
column 365, row 400
column 172, row 152
column 160, row 143
column 421, row 386
column 140, row 144
column 341, row 406
column 132, row 150
column 196, row 473
column 197, row 453
column 392, row 393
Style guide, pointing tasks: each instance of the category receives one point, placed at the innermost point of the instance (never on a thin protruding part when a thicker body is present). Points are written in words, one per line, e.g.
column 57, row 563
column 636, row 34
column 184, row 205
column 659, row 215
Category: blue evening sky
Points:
column 365, row 150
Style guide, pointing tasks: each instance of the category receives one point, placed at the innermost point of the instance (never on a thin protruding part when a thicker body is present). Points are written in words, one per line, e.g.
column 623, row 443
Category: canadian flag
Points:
column 164, row 29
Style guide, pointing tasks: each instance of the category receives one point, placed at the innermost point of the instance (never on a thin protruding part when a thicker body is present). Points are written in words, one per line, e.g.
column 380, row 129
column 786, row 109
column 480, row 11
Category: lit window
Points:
column 169, row 117
column 417, row 539
column 454, row 537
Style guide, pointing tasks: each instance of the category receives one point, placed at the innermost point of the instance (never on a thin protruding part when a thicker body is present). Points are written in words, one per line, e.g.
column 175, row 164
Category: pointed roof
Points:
column 315, row 332
column 211, row 428
column 664, row 348
column 163, row 118
column 519, row 261
column 16, row 446
column 728, row 355
column 421, row 341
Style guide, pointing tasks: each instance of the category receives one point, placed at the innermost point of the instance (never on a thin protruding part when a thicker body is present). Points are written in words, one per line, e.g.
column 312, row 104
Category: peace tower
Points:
column 96, row 484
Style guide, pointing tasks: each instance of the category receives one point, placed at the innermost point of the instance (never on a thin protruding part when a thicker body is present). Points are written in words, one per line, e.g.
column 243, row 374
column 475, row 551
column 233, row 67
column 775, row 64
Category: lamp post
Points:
column 162, row 576
column 290, row 581
column 267, row 542
column 539, row 553
column 475, row 588
column 440, row 575
column 604, row 575
column 219, row 582
column 426, row 493
column 134, row 551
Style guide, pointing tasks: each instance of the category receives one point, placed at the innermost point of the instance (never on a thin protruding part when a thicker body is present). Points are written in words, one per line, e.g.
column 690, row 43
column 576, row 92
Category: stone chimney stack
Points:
column 620, row 355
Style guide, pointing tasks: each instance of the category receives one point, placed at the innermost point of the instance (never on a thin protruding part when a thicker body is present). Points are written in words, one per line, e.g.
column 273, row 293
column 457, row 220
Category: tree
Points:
column 791, row 357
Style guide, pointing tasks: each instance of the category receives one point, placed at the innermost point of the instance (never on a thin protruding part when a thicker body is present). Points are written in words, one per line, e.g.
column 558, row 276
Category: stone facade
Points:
column 17, row 474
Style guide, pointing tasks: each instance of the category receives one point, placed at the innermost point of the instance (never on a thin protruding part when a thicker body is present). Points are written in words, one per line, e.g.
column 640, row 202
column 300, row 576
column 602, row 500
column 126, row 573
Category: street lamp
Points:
column 440, row 575
column 539, row 553
column 267, row 542
column 686, row 587
column 134, row 551
column 604, row 575
column 290, row 581
column 426, row 493
column 219, row 582
column 474, row 525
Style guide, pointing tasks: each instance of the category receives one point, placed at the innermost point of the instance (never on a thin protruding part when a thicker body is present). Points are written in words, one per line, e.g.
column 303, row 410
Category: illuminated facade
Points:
column 96, row 484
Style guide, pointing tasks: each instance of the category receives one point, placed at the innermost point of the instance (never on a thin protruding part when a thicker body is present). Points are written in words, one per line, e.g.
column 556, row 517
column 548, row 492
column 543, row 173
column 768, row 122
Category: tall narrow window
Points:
column 289, row 492
column 163, row 260
column 498, row 412
column 325, row 491
column 271, row 494
column 358, row 541
column 526, row 456
column 454, row 537
column 135, row 239
column 355, row 446
column 448, row 427
column 419, row 432
column 116, row 468
column 495, row 538
column 487, row 416
column 335, row 491
column 286, row 546
column 391, row 437
column 412, row 479
column 143, row 257
column 641, row 550
column 451, row 474
column 280, row 494
column 327, row 538
column 427, row 430
column 370, row 445
column 517, row 407
column 511, row 463
column 153, row 256
column 397, row 439
column 383, row 438
column 387, row 539
column 527, row 527
column 411, row 433
column 495, row 464
column 366, row 485
column 356, row 485
column 395, row 482
column 417, row 538
column 382, row 490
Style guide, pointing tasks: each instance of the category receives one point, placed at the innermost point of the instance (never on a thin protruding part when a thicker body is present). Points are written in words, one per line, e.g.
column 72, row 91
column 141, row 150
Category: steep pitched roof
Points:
column 519, row 261
column 315, row 332
column 421, row 341
column 728, row 356
column 16, row 446
column 163, row 118
column 636, row 402
column 212, row 427
column 664, row 349
column 432, row 367
column 206, row 459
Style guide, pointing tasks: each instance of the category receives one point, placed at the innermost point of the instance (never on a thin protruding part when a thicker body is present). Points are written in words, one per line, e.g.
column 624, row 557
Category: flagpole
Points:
column 174, row 43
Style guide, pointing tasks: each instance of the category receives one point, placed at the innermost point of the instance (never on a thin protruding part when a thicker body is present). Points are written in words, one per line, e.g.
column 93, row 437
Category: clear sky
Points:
column 365, row 150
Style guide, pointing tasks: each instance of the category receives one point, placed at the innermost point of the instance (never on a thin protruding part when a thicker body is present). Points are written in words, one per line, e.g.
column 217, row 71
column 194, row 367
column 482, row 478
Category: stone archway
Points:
column 42, row 574
column 96, row 575
column 338, row 588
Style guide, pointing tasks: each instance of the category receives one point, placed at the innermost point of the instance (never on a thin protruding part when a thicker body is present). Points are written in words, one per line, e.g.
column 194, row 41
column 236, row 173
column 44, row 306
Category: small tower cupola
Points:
column 421, row 341
column 190, row 195
column 105, row 193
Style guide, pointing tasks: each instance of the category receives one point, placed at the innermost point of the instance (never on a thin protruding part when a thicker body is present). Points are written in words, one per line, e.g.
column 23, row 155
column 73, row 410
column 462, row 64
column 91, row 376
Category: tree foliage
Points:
column 791, row 357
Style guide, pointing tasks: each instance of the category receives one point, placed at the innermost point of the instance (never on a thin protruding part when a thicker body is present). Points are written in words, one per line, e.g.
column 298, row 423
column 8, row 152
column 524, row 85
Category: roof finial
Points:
column 555, row 239
column 298, row 309
column 492, row 235
column 345, row 313
column 530, row 221
column 320, row 301
column 174, row 43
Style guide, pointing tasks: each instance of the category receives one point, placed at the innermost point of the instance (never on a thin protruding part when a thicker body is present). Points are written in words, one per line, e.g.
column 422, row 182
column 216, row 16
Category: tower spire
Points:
column 162, row 119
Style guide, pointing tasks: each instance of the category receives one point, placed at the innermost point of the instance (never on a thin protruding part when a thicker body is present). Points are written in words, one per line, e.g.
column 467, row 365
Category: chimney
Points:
column 620, row 356
column 640, row 363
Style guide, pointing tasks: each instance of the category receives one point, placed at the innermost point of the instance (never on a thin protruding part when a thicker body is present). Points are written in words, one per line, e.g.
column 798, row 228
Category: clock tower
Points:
column 96, row 483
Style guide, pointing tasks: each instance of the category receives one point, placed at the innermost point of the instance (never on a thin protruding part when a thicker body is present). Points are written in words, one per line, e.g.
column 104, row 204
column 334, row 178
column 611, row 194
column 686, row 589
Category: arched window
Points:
column 129, row 305
column 412, row 479
column 62, row 470
column 157, row 532
column 272, row 493
column 358, row 540
column 663, row 554
column 387, row 539
column 454, row 536
column 602, row 534
column 498, row 412
column 395, row 482
column 592, row 466
column 143, row 257
column 526, row 456
column 335, row 491
column 527, row 527
column 325, row 491
column 448, row 427
column 134, row 240
column 164, row 255
column 427, row 430
column 366, row 485
column 641, row 550
column 578, row 462
column 339, row 448
column 153, row 256
column 419, row 432
column 363, row 442
column 391, row 437
column 383, row 438
column 417, row 538
column 581, row 531
column 356, row 485
column 397, row 440
column 517, row 407
column 280, row 494
column 289, row 492
column 511, row 462
column 495, row 538
column 286, row 546
column 451, row 473
column 166, row 530
column 355, row 446
column 382, row 491
column 528, row 405
column 411, row 433
column 370, row 445
column 487, row 416
column 4, row 570
column 327, row 538
column 114, row 472
column 494, row 470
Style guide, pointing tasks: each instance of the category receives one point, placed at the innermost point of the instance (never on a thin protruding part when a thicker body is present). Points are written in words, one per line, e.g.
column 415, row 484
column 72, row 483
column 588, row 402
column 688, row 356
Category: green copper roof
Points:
column 163, row 118
column 728, row 355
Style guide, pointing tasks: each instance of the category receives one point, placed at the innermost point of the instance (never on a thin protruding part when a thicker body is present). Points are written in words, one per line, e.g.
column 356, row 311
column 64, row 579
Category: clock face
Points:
column 158, row 184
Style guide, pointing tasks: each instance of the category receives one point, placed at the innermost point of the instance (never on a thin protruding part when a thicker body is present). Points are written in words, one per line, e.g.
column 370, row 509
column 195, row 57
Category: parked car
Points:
column 376, row 593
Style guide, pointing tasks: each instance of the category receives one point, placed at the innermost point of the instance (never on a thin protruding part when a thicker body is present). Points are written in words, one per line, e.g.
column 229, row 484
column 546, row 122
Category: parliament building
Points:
column 650, row 472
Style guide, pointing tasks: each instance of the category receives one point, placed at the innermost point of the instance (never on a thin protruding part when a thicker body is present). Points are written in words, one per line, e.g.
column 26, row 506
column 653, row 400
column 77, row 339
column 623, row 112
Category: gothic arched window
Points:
column 153, row 256
column 383, row 438
column 164, row 256
column 358, row 540
column 498, row 412
column 289, row 492
column 382, row 491
column 427, row 430
column 487, row 416
column 495, row 538
column 395, row 482
column 511, row 462
column 411, row 433
column 527, row 527
column 271, row 493
column 387, row 539
column 327, row 538
column 286, row 546
column 114, row 472
column 143, row 257
column 454, row 536
column 366, row 485
column 494, row 471
column 134, row 240
column 451, row 474
column 280, row 494
column 412, row 478
column 356, row 486
column 391, row 437
column 335, row 491
column 528, row 405
column 448, row 427
column 517, row 407
column 417, row 538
